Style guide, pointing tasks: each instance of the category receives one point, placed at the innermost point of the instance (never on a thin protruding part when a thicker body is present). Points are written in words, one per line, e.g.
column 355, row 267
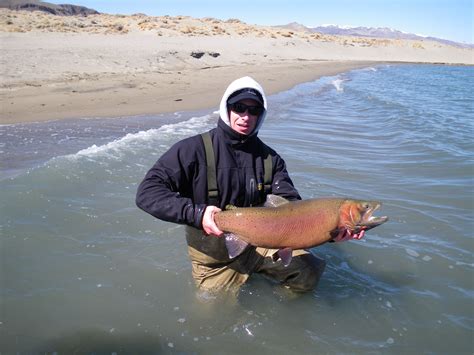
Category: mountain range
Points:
column 378, row 32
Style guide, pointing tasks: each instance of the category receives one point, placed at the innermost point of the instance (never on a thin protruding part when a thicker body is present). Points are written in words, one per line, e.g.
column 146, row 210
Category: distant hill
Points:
column 379, row 32
column 36, row 5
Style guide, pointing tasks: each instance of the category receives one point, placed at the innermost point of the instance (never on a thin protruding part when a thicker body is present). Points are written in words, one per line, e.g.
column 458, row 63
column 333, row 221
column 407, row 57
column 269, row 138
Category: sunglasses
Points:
column 241, row 108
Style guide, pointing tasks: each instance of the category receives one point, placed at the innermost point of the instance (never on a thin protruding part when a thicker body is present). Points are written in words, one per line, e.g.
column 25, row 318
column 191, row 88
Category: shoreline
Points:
column 156, row 93
column 62, row 67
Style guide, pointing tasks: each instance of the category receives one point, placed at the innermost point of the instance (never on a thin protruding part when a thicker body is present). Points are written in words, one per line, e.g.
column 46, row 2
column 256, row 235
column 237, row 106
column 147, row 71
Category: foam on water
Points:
column 338, row 84
column 135, row 140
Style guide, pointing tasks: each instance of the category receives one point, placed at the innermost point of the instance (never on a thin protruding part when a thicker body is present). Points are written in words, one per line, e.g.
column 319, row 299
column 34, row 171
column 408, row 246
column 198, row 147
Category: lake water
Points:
column 83, row 270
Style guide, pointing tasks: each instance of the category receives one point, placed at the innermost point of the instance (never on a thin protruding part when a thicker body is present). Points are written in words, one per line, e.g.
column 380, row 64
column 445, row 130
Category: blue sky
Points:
column 448, row 19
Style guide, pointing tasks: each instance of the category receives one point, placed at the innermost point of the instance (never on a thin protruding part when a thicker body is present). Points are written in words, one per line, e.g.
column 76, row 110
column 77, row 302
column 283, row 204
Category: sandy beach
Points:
column 58, row 67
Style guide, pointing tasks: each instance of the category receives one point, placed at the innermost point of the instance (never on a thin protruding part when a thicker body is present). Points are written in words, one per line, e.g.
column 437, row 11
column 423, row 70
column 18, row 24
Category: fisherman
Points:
column 229, row 165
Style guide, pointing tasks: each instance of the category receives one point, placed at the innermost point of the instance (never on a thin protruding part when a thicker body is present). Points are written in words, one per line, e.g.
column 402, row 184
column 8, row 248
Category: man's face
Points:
column 244, row 122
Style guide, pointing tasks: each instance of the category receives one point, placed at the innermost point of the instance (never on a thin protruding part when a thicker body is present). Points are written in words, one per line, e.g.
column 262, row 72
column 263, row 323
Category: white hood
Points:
column 245, row 82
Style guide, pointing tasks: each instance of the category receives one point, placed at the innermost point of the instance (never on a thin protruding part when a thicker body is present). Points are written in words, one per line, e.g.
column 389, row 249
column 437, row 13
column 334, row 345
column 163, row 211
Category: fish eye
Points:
column 366, row 205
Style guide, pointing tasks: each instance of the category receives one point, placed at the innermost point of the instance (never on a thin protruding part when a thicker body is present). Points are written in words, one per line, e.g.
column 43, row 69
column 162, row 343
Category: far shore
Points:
column 56, row 67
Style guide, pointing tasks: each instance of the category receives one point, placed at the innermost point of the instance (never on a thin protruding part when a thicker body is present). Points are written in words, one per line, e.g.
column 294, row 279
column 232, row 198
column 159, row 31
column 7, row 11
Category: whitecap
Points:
column 115, row 148
column 338, row 84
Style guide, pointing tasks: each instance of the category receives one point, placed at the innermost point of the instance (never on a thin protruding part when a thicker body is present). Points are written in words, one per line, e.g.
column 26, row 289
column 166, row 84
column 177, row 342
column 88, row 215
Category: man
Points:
column 176, row 190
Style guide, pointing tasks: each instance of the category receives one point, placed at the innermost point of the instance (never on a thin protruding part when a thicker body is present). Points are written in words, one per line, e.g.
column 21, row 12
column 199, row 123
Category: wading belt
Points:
column 213, row 192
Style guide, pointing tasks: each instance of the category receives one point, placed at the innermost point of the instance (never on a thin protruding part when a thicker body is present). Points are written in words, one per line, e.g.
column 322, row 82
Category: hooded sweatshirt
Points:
column 236, row 85
column 175, row 188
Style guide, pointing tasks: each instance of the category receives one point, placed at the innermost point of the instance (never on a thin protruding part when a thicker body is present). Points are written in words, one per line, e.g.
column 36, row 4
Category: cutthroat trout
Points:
column 295, row 225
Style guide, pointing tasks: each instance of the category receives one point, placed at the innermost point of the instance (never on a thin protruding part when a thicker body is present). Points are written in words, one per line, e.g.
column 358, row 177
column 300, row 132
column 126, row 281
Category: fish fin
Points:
column 275, row 201
column 235, row 245
column 285, row 255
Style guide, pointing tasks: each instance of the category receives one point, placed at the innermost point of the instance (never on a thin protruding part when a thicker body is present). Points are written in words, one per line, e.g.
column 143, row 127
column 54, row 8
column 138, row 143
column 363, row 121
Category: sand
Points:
column 56, row 67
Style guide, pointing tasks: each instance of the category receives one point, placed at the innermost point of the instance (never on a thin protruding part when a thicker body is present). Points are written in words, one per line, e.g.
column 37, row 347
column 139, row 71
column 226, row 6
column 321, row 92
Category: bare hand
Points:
column 208, row 223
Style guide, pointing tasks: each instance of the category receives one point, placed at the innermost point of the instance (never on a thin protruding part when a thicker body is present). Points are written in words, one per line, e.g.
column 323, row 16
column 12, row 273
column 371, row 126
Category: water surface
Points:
column 82, row 269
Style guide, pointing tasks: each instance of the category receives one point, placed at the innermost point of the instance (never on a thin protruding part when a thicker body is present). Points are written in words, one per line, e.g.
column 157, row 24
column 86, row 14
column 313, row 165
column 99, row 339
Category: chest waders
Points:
column 213, row 192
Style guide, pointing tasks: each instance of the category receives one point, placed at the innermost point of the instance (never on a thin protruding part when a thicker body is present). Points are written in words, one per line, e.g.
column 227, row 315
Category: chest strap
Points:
column 268, row 172
column 212, row 191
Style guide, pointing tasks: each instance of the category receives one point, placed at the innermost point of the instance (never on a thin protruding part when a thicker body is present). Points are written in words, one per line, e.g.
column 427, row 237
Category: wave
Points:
column 338, row 84
column 136, row 140
column 40, row 151
column 116, row 145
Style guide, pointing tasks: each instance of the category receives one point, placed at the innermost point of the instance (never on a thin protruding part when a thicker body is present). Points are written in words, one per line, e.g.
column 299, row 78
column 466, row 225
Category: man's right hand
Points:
column 208, row 223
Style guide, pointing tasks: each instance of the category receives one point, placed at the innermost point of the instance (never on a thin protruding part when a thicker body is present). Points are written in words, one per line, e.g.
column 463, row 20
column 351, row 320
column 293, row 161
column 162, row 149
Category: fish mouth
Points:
column 369, row 221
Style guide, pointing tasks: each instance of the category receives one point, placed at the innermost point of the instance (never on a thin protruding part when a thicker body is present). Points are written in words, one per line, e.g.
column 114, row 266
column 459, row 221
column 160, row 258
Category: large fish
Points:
column 288, row 225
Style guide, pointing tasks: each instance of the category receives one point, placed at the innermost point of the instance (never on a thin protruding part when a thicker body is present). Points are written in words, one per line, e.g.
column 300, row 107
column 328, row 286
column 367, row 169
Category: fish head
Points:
column 357, row 215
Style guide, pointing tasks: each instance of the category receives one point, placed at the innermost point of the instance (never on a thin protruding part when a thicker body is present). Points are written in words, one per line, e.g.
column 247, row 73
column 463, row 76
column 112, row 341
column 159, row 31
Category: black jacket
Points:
column 175, row 188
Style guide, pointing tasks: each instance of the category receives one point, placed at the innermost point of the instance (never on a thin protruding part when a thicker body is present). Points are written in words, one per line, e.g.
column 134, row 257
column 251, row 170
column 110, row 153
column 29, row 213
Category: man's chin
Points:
column 243, row 130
